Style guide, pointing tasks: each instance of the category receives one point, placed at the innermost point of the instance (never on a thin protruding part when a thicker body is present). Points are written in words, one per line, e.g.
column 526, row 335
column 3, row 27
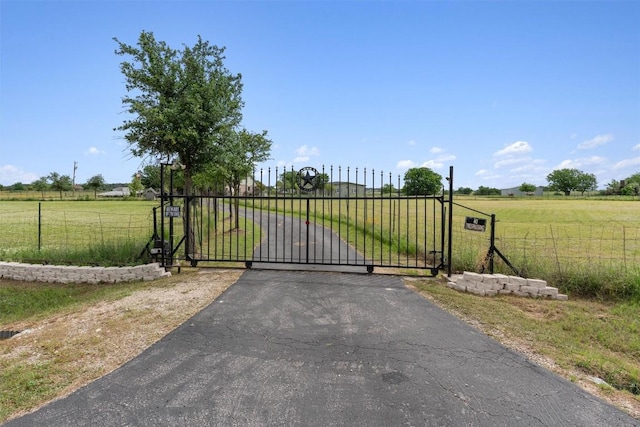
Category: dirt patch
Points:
column 89, row 343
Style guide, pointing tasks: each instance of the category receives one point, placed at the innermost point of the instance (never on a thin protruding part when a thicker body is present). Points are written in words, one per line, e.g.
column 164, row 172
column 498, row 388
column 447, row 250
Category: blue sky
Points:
column 503, row 91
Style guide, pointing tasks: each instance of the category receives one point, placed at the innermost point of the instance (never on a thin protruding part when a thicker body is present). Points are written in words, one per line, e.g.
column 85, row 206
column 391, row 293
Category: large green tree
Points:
column 527, row 188
column 96, row 182
column 288, row 181
column 239, row 154
column 631, row 185
column 135, row 186
column 421, row 181
column 178, row 101
column 41, row 185
column 150, row 176
column 568, row 180
column 59, row 182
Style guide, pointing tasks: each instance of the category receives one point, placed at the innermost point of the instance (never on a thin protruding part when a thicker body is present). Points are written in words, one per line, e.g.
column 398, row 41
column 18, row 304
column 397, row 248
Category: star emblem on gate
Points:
column 307, row 179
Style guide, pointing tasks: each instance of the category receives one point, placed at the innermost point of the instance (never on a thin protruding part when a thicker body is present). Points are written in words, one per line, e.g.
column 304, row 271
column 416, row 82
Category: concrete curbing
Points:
column 500, row 284
column 75, row 274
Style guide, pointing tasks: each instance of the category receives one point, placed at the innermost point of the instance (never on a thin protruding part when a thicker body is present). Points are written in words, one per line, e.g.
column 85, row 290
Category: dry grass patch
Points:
column 63, row 351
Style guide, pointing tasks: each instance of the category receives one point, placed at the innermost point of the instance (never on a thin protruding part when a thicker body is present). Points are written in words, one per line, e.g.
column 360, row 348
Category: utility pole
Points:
column 73, row 181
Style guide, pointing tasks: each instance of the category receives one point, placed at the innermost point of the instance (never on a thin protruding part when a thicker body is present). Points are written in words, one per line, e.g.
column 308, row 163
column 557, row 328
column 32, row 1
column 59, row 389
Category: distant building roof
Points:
column 116, row 192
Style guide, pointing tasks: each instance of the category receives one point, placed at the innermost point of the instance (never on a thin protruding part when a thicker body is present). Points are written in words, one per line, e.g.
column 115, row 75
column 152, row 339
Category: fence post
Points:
column 492, row 243
column 39, row 226
column 450, row 179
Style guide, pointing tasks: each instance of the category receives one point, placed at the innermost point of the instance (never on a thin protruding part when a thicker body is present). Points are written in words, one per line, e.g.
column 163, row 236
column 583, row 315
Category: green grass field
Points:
column 588, row 247
column 66, row 230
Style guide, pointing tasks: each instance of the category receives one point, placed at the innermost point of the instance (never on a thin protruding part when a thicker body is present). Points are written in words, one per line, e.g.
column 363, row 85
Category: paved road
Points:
column 327, row 349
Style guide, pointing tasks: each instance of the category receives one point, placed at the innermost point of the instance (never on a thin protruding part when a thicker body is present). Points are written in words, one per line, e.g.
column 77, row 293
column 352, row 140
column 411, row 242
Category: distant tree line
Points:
column 418, row 181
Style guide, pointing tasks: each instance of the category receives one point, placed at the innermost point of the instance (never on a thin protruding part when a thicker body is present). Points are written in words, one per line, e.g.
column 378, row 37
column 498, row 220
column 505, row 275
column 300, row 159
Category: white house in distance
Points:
column 149, row 193
column 515, row 192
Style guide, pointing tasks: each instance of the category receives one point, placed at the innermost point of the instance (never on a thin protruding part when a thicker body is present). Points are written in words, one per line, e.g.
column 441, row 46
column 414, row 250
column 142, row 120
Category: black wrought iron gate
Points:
column 334, row 217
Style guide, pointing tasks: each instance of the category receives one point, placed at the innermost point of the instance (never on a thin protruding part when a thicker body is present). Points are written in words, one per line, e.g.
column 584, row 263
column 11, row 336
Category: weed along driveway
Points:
column 322, row 348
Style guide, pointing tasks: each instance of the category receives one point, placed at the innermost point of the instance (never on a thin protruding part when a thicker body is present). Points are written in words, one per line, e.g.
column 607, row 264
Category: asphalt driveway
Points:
column 327, row 349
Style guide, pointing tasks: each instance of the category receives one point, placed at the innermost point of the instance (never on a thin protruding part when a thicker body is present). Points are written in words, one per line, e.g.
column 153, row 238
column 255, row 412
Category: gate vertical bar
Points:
column 275, row 232
column 331, row 215
column 392, row 218
column 339, row 214
column 366, row 211
column 450, row 220
column 307, row 225
column 355, row 218
column 416, row 216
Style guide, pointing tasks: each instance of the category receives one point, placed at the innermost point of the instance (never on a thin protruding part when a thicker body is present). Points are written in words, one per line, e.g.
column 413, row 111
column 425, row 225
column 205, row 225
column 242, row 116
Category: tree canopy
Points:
column 179, row 101
column 95, row 183
column 526, row 187
column 568, row 180
column 60, row 182
column 421, row 181
column 238, row 154
column 487, row 191
column 288, row 181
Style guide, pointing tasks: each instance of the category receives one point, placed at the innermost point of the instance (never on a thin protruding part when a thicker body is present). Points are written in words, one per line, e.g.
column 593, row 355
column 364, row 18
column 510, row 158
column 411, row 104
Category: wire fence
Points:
column 54, row 225
column 553, row 249
column 535, row 251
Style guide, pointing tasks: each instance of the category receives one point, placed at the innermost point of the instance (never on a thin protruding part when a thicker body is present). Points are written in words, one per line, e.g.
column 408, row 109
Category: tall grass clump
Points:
column 590, row 278
column 108, row 254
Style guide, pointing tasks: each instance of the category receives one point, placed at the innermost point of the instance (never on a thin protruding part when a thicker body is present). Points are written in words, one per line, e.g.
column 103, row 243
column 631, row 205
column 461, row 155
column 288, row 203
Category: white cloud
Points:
column 446, row 158
column 581, row 162
column 10, row 174
column 595, row 142
column 636, row 148
column 411, row 142
column 482, row 172
column 517, row 148
column 305, row 151
column 405, row 164
column 573, row 136
column 627, row 163
column 436, row 150
column 301, row 159
column 93, row 151
column 532, row 166
column 512, row 161
column 432, row 164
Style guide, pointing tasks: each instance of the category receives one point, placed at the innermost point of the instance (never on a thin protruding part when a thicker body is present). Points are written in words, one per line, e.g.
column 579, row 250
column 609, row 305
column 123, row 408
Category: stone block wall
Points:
column 495, row 284
column 73, row 274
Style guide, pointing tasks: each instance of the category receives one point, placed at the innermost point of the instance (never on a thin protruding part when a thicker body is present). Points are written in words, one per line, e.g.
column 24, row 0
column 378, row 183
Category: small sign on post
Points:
column 172, row 211
column 475, row 224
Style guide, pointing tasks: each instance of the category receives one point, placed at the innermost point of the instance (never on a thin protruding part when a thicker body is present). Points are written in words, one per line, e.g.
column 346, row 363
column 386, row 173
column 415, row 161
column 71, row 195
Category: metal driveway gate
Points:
column 334, row 217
